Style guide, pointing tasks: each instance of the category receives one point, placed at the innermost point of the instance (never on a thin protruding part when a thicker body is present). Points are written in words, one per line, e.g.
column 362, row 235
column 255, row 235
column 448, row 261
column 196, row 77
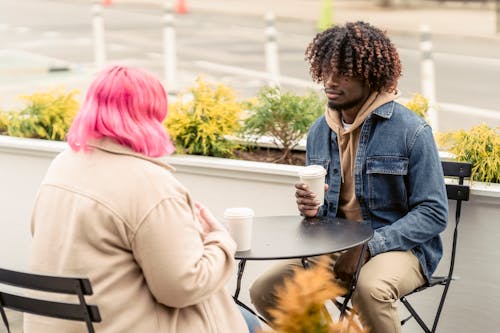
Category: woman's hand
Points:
column 208, row 221
column 306, row 200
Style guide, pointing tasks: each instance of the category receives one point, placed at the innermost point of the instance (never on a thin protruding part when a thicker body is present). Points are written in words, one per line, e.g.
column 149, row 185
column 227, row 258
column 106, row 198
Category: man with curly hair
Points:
column 383, row 168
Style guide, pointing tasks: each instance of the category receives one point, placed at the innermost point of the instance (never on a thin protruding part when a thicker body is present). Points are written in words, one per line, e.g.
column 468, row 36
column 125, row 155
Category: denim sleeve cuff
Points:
column 376, row 245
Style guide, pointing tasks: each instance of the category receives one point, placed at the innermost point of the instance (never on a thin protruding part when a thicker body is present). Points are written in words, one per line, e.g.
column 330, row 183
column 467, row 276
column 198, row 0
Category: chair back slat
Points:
column 48, row 283
column 50, row 309
column 457, row 192
column 456, row 169
column 79, row 287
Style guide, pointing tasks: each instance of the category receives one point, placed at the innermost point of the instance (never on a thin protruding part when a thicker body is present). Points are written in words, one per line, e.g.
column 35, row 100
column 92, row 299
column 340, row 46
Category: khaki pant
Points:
column 382, row 281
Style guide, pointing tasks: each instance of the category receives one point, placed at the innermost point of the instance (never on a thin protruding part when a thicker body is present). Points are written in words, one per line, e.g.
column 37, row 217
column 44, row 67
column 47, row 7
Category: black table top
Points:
column 286, row 237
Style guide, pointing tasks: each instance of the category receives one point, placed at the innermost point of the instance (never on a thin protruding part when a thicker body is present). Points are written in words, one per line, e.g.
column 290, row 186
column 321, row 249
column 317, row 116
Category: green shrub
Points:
column 285, row 117
column 200, row 126
column 480, row 146
column 47, row 115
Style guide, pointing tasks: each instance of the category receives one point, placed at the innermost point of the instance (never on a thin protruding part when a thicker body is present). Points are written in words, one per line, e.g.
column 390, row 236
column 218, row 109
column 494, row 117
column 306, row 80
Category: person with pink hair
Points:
column 110, row 209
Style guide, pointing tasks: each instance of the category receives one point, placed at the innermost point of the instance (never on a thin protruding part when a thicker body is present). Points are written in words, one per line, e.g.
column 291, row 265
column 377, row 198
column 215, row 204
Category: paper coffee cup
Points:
column 314, row 177
column 240, row 221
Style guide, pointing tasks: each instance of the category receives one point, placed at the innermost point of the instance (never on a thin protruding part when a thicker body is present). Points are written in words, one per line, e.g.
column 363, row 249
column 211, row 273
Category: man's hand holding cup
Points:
column 310, row 192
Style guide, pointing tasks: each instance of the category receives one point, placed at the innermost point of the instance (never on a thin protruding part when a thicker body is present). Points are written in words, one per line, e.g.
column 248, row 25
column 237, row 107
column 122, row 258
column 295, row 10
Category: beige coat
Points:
column 125, row 222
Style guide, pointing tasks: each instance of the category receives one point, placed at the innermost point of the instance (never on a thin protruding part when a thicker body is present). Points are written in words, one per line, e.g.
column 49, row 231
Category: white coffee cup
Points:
column 240, row 221
column 314, row 177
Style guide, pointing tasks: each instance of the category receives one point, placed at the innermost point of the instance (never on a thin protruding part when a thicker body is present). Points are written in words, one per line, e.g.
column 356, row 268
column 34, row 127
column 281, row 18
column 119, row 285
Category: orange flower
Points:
column 301, row 303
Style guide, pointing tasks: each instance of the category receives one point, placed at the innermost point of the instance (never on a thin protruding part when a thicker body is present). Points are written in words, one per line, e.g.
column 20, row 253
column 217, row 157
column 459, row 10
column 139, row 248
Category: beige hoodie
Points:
column 348, row 145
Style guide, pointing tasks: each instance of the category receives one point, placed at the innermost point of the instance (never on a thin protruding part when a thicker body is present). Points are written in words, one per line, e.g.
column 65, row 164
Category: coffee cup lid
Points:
column 312, row 171
column 238, row 212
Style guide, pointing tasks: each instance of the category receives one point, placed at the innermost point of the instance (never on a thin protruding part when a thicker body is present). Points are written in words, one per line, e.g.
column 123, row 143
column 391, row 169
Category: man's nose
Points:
column 331, row 80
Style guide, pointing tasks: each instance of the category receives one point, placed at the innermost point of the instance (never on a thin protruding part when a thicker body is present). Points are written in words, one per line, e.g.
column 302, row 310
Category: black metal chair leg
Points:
column 4, row 317
column 440, row 307
column 415, row 315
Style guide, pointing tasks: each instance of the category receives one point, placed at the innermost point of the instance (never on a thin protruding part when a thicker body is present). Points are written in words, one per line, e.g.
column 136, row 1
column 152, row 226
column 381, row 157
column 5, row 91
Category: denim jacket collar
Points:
column 385, row 111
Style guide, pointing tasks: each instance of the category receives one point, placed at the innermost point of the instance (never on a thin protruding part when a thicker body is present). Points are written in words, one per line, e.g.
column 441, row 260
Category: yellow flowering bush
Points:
column 4, row 122
column 200, row 126
column 47, row 115
column 418, row 104
column 480, row 146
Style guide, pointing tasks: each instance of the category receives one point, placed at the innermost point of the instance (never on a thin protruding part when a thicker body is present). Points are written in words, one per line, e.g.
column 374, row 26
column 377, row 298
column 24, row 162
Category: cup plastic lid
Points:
column 312, row 171
column 238, row 212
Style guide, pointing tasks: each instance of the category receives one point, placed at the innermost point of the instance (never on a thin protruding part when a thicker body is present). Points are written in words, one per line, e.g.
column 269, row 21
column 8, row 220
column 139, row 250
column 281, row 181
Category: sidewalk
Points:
column 458, row 18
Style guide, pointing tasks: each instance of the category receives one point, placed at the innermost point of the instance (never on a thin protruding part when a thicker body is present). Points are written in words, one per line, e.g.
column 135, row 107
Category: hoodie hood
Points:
column 375, row 100
column 347, row 140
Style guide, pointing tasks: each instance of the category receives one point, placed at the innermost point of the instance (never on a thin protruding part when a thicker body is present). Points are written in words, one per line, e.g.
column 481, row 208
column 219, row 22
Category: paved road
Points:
column 228, row 48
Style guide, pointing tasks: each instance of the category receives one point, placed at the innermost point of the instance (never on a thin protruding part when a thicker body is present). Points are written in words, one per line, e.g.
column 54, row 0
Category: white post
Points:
column 170, row 61
column 427, row 76
column 272, row 59
column 99, row 40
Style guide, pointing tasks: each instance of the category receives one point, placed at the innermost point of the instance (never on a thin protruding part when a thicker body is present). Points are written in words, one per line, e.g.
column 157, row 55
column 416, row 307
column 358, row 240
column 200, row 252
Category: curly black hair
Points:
column 356, row 49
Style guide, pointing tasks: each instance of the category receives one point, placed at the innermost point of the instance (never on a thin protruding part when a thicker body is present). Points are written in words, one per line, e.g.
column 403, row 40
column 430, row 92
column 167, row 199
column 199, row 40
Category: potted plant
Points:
column 200, row 125
column 418, row 104
column 47, row 115
column 4, row 123
column 480, row 146
column 282, row 116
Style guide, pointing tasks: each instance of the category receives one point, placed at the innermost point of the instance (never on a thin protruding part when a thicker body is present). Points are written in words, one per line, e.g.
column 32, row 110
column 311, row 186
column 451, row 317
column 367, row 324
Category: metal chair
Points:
column 63, row 285
column 459, row 192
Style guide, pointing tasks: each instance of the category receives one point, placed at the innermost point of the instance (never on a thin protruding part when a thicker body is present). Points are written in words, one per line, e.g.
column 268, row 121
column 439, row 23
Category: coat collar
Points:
column 385, row 111
column 110, row 146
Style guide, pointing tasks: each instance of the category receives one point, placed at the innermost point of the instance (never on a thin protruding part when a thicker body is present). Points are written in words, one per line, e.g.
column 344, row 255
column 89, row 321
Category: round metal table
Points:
column 288, row 237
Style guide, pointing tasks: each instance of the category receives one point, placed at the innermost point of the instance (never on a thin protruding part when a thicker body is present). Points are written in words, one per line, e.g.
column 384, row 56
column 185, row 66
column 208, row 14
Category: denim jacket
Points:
column 398, row 181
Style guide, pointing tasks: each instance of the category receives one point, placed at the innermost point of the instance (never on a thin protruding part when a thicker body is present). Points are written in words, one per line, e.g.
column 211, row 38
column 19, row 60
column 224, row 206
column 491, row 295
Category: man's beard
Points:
column 343, row 106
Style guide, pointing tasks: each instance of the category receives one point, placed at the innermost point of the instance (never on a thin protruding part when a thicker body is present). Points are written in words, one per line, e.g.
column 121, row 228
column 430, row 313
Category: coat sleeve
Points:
column 428, row 204
column 181, row 267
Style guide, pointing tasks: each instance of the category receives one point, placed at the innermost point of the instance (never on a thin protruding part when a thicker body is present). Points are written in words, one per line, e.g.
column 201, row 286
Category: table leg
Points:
column 241, row 268
column 324, row 310
column 354, row 281
column 305, row 262
column 243, row 305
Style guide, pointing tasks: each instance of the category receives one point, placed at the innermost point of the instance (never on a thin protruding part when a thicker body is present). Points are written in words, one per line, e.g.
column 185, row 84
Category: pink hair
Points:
column 127, row 105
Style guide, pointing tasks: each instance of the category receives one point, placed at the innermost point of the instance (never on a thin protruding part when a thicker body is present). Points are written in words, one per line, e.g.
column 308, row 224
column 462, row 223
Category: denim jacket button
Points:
column 335, row 171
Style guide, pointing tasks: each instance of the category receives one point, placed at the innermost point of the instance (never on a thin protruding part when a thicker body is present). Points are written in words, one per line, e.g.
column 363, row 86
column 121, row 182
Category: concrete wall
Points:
column 472, row 301
column 266, row 188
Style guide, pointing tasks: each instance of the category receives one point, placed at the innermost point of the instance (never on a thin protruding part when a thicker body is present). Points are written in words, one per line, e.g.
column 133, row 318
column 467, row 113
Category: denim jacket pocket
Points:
column 386, row 182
